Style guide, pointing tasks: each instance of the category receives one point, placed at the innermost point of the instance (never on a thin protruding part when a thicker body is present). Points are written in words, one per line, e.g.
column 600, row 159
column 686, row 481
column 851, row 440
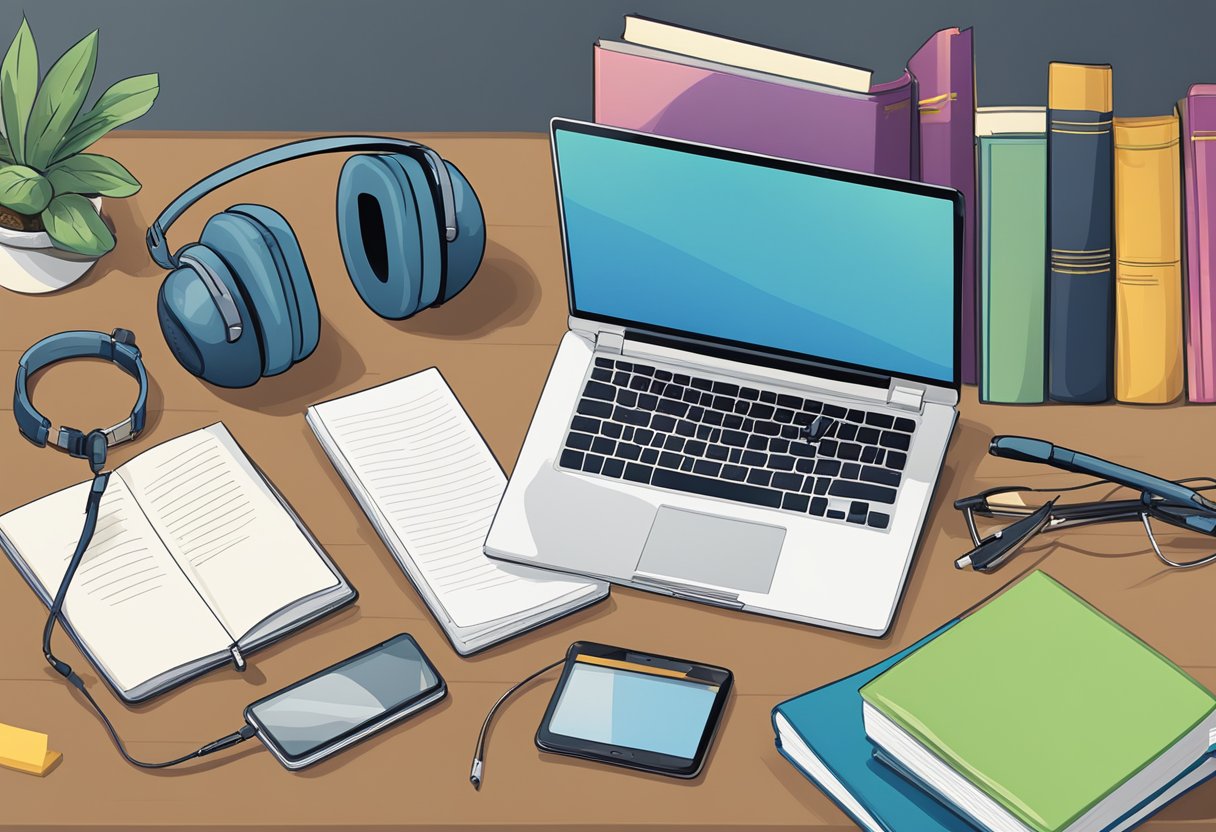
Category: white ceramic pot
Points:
column 31, row 265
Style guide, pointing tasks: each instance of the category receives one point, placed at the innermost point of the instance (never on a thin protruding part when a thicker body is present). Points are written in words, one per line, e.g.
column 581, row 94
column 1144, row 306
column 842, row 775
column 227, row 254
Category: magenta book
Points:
column 1198, row 122
column 945, row 81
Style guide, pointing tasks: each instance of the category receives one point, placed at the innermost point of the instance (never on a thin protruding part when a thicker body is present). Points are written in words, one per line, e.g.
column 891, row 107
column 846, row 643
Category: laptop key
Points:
column 628, row 433
column 749, row 393
column 880, row 420
column 663, row 375
column 578, row 441
column 805, row 466
column 765, row 428
column 726, row 389
column 613, row 468
column 835, row 411
column 620, row 379
column 636, row 472
column 768, row 396
column 685, row 428
column 702, row 384
column 718, row 452
column 572, row 459
column 781, row 462
column 600, row 374
column 827, row 447
column 691, row 395
column 869, row 453
column 795, row 502
column 758, row 476
column 850, row 471
column 674, row 443
column 659, row 422
column 736, row 455
column 783, row 415
column 603, row 445
column 643, row 436
column 896, row 460
column 603, row 362
column 592, row 407
column 862, row 491
column 827, row 467
column 754, row 458
column 787, row 482
column 868, row 436
column 599, row 390
column 680, row 378
column 734, row 437
column 897, row 441
column 611, row 429
column 586, row 424
column 628, row 450
column 713, row 417
column 878, row 520
column 778, row 446
column 669, row 460
column 848, row 450
column 905, row 425
column 805, row 449
column 819, row 506
column 707, row 468
column 757, row 443
column 822, row 484
column 592, row 463
column 761, row 411
column 672, row 408
column 704, row 431
column 858, row 512
column 847, row 431
column 739, row 492
column 643, row 369
column 624, row 365
column 657, row 387
column 627, row 398
column 881, row 476
column 694, row 447
column 791, row 431
column 686, row 463
column 649, row 456
column 648, row 401
column 836, row 515
column 734, row 472
column 792, row 402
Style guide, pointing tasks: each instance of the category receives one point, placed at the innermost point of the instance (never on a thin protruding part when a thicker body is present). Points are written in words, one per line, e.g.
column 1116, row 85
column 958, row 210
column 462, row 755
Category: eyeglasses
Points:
column 996, row 548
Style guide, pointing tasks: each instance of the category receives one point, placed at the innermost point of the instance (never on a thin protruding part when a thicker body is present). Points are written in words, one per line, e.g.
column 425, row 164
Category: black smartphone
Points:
column 634, row 709
column 346, row 702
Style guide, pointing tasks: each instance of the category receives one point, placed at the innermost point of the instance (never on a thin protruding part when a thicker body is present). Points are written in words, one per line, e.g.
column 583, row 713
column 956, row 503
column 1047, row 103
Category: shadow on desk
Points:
column 334, row 364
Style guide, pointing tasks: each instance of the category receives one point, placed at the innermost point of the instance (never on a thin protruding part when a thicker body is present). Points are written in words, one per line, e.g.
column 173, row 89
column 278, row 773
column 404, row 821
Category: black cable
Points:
column 480, row 752
column 92, row 508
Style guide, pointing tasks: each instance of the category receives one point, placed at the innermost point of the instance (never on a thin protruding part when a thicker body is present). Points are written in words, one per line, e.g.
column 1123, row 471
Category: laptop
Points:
column 761, row 375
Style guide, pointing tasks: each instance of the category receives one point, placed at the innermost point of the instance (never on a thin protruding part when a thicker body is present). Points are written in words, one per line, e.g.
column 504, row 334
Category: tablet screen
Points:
column 610, row 705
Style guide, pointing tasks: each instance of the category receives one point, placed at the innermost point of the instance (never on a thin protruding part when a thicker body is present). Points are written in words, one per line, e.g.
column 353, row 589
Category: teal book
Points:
column 1039, row 713
column 1012, row 159
column 822, row 735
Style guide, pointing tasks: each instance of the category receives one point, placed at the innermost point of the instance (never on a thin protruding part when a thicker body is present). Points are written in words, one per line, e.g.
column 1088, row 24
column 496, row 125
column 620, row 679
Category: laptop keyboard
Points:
column 650, row 425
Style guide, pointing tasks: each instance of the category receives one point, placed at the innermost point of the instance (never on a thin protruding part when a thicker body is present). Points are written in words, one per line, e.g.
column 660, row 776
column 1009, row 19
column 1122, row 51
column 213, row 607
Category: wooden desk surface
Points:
column 494, row 344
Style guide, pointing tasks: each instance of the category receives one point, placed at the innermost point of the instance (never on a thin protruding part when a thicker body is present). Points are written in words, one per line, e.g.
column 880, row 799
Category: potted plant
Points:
column 51, row 228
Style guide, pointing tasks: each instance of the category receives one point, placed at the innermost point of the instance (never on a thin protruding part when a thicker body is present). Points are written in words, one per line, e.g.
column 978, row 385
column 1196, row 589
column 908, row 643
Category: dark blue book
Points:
column 1080, row 223
column 822, row 734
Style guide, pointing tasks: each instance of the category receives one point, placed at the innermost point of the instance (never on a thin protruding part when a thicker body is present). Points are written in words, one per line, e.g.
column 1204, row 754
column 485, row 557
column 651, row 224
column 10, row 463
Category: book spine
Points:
column 1080, row 299
column 945, row 77
column 1012, row 235
column 1148, row 272
column 1197, row 113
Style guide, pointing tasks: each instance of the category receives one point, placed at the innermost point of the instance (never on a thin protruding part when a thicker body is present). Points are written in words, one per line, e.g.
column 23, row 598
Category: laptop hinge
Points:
column 612, row 342
column 906, row 397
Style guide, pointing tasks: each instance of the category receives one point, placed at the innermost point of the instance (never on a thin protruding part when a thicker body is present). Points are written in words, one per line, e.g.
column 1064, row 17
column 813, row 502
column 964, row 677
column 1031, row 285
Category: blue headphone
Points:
column 239, row 304
column 119, row 347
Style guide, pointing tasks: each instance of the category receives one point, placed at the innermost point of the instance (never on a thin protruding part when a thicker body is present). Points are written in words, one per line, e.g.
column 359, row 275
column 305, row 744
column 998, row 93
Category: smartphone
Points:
column 633, row 709
column 346, row 702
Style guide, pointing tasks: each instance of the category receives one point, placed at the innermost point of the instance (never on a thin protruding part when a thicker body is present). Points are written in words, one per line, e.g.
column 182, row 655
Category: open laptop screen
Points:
column 795, row 259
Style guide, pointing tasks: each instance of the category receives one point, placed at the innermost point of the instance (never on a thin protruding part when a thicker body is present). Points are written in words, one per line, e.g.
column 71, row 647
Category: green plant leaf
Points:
column 89, row 173
column 59, row 101
column 23, row 189
column 127, row 100
column 18, row 84
column 74, row 225
column 6, row 152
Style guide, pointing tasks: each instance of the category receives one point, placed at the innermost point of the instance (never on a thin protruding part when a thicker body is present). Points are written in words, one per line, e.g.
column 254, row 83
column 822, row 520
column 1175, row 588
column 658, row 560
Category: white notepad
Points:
column 426, row 479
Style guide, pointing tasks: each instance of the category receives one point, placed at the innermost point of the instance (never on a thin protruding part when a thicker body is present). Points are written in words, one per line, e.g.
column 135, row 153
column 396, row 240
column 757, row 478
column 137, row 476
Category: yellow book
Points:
column 1148, row 277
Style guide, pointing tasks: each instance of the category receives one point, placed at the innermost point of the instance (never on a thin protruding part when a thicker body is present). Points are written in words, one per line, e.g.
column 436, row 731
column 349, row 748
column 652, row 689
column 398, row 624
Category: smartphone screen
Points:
column 337, row 706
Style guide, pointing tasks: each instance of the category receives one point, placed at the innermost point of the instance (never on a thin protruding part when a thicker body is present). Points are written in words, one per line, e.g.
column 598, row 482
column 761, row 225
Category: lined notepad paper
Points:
column 429, row 484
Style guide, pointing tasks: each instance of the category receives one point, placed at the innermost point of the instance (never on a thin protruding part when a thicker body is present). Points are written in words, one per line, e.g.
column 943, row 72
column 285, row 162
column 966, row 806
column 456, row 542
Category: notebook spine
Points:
column 1197, row 113
column 1080, row 306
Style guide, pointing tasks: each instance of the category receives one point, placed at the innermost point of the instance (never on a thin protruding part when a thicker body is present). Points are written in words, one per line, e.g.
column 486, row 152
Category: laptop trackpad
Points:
column 690, row 546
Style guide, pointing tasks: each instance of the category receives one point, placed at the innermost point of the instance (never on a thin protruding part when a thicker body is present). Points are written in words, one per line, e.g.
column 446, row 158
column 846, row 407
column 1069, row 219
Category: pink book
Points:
column 1198, row 126
column 646, row 89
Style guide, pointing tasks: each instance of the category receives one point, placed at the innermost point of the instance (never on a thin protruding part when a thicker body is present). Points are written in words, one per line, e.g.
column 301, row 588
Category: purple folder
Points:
column 1198, row 121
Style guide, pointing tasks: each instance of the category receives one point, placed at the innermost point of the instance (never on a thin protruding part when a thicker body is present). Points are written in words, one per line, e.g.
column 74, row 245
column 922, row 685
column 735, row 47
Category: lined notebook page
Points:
column 129, row 602
column 228, row 531
column 436, row 486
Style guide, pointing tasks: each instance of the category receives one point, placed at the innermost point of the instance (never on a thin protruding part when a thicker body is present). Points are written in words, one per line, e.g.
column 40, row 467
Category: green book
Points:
column 1012, row 162
column 1038, row 712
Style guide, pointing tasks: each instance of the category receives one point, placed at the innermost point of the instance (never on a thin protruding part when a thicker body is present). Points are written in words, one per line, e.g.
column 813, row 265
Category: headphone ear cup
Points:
column 242, row 245
column 430, row 236
column 297, row 284
column 195, row 331
column 464, row 254
column 378, row 232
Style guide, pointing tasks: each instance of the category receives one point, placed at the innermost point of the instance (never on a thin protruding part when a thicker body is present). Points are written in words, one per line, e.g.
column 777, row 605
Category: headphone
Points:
column 239, row 304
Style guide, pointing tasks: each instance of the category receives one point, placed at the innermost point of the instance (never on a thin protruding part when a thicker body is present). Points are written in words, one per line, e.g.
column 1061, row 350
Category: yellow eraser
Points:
column 26, row 751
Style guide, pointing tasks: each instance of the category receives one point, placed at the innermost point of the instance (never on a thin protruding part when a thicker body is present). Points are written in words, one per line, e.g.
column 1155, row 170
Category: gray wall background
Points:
column 507, row 65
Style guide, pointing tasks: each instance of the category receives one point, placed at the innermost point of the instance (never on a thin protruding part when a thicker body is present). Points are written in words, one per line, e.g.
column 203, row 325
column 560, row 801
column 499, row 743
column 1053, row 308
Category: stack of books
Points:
column 1035, row 713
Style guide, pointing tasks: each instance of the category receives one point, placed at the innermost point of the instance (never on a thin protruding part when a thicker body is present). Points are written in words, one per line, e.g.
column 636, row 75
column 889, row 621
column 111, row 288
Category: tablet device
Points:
column 633, row 709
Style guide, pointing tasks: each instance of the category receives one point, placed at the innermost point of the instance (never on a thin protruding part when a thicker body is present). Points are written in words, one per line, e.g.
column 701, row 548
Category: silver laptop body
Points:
column 688, row 459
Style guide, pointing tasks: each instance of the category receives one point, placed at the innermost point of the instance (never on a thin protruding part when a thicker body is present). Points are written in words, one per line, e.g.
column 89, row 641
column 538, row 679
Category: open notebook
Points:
column 196, row 560
column 426, row 479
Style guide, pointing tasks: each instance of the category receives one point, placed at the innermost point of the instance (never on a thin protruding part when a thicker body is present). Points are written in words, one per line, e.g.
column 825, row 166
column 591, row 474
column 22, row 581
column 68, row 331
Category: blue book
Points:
column 1080, row 222
column 822, row 734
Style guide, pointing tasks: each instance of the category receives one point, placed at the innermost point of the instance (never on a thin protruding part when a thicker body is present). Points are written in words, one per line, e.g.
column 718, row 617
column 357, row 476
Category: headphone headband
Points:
column 159, row 249
column 119, row 347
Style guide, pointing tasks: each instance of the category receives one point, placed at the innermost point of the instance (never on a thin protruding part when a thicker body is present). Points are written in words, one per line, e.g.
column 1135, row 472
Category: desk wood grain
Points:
column 494, row 344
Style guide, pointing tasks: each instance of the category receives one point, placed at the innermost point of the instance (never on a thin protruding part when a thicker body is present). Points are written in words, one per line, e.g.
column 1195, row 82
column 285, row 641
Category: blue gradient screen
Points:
column 633, row 710
column 752, row 254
